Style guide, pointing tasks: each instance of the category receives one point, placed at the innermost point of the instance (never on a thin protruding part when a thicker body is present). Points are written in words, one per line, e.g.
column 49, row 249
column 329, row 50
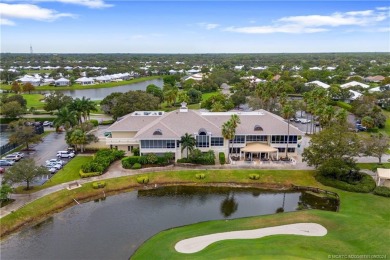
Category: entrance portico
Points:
column 258, row 149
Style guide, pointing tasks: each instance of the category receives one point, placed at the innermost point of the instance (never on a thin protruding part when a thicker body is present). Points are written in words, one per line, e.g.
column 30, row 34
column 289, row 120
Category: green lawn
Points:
column 360, row 228
column 69, row 172
column 370, row 166
column 33, row 100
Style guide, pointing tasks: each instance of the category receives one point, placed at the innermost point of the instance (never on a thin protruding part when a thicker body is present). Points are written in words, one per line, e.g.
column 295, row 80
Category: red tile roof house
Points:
column 260, row 134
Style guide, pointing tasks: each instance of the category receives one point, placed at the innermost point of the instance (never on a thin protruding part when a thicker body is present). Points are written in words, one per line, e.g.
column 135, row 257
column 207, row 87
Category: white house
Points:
column 260, row 134
column 85, row 81
column 35, row 81
column 318, row 83
column 354, row 84
column 355, row 95
column 62, row 82
column 197, row 77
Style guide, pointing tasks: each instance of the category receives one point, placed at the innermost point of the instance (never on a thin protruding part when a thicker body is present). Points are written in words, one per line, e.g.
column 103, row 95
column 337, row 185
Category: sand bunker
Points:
column 195, row 244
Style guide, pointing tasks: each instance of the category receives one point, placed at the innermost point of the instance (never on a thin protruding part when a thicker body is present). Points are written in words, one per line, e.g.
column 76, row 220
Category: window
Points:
column 281, row 150
column 216, row 141
column 282, row 139
column 202, row 131
column 202, row 141
column 291, row 150
column 157, row 132
column 256, row 138
column 258, row 128
column 157, row 144
column 238, row 139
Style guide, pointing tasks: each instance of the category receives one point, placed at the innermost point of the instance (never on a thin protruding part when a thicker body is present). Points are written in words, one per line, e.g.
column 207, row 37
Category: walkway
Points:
column 116, row 170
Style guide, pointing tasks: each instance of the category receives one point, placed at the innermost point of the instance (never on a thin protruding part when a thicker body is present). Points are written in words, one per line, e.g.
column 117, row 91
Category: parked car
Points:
column 58, row 161
column 6, row 162
column 54, row 165
column 21, row 155
column 65, row 154
column 304, row 120
column 360, row 128
column 46, row 123
column 2, row 170
column 52, row 170
column 12, row 157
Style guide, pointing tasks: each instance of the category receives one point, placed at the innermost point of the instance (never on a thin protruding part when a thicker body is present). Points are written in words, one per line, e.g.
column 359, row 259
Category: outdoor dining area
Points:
column 258, row 153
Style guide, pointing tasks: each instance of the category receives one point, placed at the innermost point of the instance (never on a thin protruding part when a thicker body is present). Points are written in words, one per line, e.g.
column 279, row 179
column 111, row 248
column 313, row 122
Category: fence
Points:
column 7, row 147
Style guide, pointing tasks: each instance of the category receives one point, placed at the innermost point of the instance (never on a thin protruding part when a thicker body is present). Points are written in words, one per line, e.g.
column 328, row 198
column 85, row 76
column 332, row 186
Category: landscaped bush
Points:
column 365, row 185
column 98, row 184
column 200, row 176
column 136, row 151
column 184, row 160
column 151, row 158
column 131, row 159
column 382, row 191
column 94, row 122
column 222, row 159
column 101, row 161
column 254, row 176
column 126, row 163
column 107, row 122
column 136, row 166
column 143, row 179
column 143, row 160
column 373, row 130
column 344, row 105
column 198, row 157
column 88, row 174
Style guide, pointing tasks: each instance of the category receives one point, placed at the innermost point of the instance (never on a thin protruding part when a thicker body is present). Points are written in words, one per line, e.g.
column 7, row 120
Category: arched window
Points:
column 157, row 132
column 202, row 131
column 258, row 128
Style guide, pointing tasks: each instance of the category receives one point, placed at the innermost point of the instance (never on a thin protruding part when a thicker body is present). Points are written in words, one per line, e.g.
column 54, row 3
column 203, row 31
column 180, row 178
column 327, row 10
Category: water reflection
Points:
column 112, row 228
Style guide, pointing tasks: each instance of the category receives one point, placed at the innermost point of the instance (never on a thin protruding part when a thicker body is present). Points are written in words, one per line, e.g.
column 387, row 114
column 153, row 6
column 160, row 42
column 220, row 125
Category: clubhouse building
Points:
column 261, row 135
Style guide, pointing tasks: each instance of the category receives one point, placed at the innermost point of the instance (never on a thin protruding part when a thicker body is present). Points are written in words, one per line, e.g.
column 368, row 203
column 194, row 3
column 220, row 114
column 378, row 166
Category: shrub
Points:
column 143, row 179
column 88, row 174
column 107, row 122
column 151, row 158
column 222, row 159
column 373, row 130
column 143, row 160
column 136, row 166
column 254, row 176
column 365, row 185
column 131, row 159
column 102, row 159
column 200, row 176
column 136, row 151
column 94, row 122
column 382, row 191
column 184, row 160
column 126, row 163
column 344, row 105
column 98, row 184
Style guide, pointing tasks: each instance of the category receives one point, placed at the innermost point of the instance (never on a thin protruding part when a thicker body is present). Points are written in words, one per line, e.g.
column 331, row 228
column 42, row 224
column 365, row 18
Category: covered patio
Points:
column 259, row 151
column 383, row 175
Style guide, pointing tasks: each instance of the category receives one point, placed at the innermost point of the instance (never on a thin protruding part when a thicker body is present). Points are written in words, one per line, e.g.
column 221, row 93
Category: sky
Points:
column 104, row 26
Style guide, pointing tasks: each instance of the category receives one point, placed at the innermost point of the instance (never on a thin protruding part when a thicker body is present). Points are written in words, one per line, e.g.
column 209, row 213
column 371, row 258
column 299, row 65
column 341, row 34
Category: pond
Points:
column 101, row 93
column 114, row 227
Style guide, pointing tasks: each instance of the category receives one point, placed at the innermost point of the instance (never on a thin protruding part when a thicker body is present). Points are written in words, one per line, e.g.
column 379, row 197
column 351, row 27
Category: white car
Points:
column 21, row 155
column 52, row 170
column 54, row 165
column 56, row 161
column 13, row 157
column 65, row 154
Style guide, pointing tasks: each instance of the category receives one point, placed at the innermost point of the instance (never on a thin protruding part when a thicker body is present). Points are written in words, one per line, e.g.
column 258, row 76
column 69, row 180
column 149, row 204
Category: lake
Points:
column 101, row 93
column 114, row 227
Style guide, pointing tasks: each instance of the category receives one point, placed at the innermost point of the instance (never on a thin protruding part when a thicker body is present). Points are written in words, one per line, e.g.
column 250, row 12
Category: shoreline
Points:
column 86, row 193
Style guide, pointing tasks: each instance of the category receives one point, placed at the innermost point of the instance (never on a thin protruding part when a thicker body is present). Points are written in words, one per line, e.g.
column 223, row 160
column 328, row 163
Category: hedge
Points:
column 200, row 176
column 101, row 161
column 366, row 184
column 98, row 184
column 344, row 105
column 382, row 191
column 222, row 159
column 143, row 179
column 136, row 166
column 88, row 174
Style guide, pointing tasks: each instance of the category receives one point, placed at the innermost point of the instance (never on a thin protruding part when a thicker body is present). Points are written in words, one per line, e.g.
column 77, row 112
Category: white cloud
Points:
column 87, row 3
column 209, row 26
column 4, row 21
column 28, row 11
column 316, row 23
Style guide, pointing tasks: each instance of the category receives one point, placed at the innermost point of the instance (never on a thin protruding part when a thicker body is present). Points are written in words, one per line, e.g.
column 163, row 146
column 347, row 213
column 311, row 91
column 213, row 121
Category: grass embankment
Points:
column 70, row 172
column 360, row 228
column 101, row 85
column 370, row 166
column 44, row 207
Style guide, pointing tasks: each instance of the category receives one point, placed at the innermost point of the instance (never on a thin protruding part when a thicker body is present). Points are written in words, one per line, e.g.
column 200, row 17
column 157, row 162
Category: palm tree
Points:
column 65, row 117
column 87, row 105
column 228, row 133
column 235, row 119
column 187, row 142
column 76, row 106
column 287, row 113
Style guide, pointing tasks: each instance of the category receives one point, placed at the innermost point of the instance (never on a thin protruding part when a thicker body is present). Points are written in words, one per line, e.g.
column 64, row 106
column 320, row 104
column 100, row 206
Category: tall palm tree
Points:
column 76, row 106
column 87, row 105
column 235, row 120
column 228, row 133
column 65, row 117
column 187, row 142
column 287, row 112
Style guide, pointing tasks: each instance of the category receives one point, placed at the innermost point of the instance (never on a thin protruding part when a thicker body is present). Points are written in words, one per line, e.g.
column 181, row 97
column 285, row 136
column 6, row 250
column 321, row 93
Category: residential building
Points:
column 354, row 84
column 260, row 134
column 85, row 81
column 318, row 83
column 62, row 82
